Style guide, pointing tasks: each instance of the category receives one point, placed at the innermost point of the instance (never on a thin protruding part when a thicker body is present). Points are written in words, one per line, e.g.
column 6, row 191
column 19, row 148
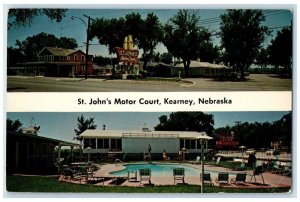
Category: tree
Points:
column 242, row 35
column 82, row 125
column 262, row 58
column 186, row 121
column 14, row 55
column 152, row 34
column 280, row 50
column 208, row 52
column 109, row 32
column 23, row 17
column 183, row 37
column 166, row 58
column 14, row 126
column 32, row 45
column 260, row 135
column 283, row 128
column 147, row 33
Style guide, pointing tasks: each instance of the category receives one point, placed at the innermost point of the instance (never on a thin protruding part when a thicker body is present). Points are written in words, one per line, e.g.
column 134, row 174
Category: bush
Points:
column 131, row 76
column 143, row 74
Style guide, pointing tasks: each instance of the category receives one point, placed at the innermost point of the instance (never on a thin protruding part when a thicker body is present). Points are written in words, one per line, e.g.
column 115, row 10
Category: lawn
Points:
column 51, row 184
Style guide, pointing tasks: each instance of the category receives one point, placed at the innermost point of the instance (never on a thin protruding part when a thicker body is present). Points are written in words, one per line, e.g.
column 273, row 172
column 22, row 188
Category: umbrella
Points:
column 203, row 138
column 242, row 147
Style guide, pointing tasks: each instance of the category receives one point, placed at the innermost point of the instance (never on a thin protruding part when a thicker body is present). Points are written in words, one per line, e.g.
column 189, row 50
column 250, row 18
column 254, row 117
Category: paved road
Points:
column 50, row 84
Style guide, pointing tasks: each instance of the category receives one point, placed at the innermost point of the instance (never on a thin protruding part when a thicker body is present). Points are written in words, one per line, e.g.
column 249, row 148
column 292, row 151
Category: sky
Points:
column 275, row 19
column 61, row 125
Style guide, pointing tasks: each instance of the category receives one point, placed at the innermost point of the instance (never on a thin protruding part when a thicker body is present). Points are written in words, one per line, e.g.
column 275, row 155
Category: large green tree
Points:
column 260, row 135
column 23, row 17
column 147, row 33
column 186, row 121
column 109, row 32
column 82, row 125
column 183, row 37
column 14, row 55
column 242, row 36
column 32, row 45
column 262, row 58
column 152, row 34
column 14, row 125
column 280, row 50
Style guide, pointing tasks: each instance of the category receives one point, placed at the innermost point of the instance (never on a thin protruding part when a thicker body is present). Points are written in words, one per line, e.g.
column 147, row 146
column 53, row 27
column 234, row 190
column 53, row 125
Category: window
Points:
column 68, row 58
column 93, row 143
column 89, row 142
column 105, row 143
column 193, row 144
column 187, row 144
column 181, row 143
column 86, row 142
column 119, row 144
column 100, row 144
column 82, row 58
column 75, row 57
column 113, row 144
column 116, row 144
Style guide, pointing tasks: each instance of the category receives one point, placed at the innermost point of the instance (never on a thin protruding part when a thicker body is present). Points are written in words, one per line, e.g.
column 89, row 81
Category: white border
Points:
column 179, row 4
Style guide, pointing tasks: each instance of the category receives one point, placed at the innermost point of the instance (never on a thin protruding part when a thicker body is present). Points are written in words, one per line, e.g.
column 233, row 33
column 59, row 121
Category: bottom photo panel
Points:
column 149, row 152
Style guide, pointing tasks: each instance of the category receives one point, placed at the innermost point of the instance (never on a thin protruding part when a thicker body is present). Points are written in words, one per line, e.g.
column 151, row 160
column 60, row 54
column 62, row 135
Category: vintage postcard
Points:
column 149, row 100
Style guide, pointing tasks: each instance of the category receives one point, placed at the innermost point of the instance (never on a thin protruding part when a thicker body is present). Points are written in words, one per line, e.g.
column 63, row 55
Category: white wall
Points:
column 158, row 145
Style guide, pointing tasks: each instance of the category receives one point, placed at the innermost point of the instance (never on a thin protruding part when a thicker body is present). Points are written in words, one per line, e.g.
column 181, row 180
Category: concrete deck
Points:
column 271, row 180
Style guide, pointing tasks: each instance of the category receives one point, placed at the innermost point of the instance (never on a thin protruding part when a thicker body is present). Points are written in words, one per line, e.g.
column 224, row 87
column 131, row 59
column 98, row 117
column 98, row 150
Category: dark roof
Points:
column 36, row 137
column 59, row 51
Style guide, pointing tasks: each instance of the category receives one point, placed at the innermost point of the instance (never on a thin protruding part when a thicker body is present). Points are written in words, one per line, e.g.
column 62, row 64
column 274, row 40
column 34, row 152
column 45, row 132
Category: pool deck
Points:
column 271, row 180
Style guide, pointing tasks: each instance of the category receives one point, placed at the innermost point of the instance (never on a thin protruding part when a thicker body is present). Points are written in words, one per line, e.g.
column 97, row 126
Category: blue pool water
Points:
column 157, row 169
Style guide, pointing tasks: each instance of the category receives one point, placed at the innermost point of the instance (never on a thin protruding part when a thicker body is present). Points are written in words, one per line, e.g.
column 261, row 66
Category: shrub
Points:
column 131, row 76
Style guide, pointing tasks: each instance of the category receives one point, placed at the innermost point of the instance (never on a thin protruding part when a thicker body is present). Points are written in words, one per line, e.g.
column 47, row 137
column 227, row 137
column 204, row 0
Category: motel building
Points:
column 127, row 145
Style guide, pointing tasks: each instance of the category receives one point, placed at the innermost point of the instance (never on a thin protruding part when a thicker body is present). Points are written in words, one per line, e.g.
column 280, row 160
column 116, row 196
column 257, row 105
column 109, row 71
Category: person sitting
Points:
column 165, row 157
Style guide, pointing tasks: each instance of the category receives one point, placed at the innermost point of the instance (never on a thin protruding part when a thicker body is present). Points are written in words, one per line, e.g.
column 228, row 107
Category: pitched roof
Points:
column 197, row 64
column 59, row 51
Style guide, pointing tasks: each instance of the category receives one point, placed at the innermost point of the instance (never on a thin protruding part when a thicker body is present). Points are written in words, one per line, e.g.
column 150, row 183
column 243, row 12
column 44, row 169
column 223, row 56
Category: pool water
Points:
column 157, row 169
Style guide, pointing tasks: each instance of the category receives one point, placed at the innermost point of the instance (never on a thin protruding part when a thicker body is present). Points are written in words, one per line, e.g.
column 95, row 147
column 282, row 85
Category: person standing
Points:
column 149, row 152
column 180, row 155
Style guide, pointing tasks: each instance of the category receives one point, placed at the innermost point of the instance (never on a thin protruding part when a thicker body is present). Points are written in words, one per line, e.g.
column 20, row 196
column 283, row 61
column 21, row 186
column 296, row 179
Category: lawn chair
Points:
column 145, row 175
column 258, row 171
column 240, row 178
column 68, row 173
column 223, row 178
column 178, row 174
column 197, row 161
column 207, row 179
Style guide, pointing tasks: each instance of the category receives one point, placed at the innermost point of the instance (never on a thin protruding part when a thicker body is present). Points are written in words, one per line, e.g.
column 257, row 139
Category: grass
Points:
column 51, row 184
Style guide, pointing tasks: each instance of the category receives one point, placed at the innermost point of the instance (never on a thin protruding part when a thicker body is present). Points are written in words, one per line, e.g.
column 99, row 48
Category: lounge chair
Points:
column 223, row 178
column 178, row 174
column 197, row 161
column 145, row 175
column 240, row 178
column 207, row 179
column 258, row 171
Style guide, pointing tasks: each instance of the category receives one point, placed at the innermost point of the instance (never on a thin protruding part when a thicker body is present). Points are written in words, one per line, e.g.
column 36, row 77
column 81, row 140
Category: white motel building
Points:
column 134, row 144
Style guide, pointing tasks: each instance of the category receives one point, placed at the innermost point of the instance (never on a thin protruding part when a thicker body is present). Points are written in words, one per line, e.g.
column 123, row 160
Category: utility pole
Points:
column 87, row 25
column 87, row 45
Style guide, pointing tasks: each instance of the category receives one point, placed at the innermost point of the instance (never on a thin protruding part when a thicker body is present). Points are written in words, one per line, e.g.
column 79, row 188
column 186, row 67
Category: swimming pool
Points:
column 157, row 169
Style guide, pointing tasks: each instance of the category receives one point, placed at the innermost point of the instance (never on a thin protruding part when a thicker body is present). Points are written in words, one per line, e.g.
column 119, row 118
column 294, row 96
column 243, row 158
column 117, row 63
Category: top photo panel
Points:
column 152, row 50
